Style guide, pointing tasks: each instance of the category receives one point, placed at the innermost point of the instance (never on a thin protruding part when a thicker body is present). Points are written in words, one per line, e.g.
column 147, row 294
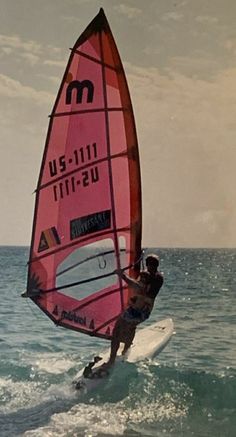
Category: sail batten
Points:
column 97, row 61
column 74, row 284
column 88, row 196
column 89, row 111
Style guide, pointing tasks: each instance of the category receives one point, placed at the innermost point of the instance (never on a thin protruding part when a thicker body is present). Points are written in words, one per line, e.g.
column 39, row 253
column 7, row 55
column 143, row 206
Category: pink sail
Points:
column 87, row 220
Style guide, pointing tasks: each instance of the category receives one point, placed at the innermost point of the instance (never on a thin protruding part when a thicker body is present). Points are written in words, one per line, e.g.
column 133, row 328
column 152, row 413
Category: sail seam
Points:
column 74, row 284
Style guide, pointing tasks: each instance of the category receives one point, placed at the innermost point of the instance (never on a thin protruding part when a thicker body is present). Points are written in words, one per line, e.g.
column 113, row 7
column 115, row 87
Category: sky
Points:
column 180, row 60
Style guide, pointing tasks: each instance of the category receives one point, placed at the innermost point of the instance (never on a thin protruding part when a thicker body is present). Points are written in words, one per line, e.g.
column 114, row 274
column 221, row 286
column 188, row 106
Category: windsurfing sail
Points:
column 87, row 219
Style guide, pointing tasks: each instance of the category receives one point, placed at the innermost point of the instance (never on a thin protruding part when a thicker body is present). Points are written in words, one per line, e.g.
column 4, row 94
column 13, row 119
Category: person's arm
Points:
column 130, row 281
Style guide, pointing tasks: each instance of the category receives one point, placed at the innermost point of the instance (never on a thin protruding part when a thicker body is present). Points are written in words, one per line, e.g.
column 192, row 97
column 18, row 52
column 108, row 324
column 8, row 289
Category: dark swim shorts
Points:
column 135, row 315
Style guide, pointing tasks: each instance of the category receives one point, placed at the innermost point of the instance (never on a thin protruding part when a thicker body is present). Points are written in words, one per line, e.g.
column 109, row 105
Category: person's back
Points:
column 137, row 301
column 156, row 282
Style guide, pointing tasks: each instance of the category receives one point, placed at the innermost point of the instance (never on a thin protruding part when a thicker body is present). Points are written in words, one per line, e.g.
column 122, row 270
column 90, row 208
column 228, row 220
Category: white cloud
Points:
column 128, row 11
column 174, row 16
column 54, row 63
column 230, row 45
column 212, row 220
column 16, row 43
column 72, row 19
column 186, row 132
column 31, row 51
column 30, row 58
column 11, row 88
column 197, row 64
column 207, row 19
column 54, row 79
column 7, row 50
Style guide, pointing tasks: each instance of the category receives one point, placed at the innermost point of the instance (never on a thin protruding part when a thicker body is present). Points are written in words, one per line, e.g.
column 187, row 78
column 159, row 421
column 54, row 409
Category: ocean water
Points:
column 188, row 390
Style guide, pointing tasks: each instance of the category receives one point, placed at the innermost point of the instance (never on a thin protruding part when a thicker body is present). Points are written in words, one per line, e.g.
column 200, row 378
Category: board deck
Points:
column 148, row 343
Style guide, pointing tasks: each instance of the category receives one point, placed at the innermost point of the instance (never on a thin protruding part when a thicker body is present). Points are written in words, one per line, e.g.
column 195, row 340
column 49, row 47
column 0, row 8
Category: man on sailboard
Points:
column 146, row 288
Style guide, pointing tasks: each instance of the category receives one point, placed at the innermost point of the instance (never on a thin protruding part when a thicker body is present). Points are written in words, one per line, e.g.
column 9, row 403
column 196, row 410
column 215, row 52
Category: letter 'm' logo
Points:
column 76, row 87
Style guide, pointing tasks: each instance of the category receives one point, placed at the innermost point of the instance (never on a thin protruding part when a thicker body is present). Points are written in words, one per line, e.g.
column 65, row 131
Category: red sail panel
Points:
column 87, row 220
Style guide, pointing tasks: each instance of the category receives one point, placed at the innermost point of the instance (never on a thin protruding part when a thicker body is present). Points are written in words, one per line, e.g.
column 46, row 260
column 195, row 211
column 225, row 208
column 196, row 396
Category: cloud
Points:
column 54, row 63
column 207, row 19
column 30, row 58
column 186, row 133
column 197, row 64
column 32, row 52
column 55, row 80
column 72, row 20
column 174, row 16
column 229, row 45
column 128, row 11
column 12, row 89
column 7, row 50
column 213, row 220
column 16, row 43
column 186, row 93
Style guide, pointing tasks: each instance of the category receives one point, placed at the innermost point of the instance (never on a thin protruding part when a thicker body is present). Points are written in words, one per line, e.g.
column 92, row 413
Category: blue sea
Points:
column 188, row 390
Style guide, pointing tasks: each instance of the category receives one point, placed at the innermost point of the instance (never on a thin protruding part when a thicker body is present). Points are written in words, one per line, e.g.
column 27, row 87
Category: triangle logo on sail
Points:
column 48, row 239
column 108, row 331
column 43, row 245
column 55, row 311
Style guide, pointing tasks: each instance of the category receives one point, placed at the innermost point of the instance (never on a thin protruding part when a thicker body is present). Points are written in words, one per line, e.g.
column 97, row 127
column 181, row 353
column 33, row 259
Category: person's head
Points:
column 152, row 263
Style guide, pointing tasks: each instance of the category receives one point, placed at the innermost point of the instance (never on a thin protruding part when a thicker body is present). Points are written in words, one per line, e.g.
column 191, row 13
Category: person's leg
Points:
column 138, row 316
column 129, row 338
column 115, row 342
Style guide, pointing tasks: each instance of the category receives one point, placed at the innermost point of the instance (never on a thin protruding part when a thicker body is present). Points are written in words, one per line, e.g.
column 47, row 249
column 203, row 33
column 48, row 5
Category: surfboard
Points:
column 148, row 343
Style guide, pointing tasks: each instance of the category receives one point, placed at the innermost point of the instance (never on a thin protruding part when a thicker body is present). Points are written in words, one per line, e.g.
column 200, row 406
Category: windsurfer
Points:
column 146, row 288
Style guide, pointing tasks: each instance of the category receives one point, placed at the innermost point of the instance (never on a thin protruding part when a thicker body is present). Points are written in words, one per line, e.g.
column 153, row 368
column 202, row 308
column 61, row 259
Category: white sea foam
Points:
column 18, row 394
column 53, row 363
column 107, row 419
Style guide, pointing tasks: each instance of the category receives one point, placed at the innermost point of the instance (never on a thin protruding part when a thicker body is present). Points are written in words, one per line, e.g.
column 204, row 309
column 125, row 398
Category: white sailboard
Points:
column 148, row 343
